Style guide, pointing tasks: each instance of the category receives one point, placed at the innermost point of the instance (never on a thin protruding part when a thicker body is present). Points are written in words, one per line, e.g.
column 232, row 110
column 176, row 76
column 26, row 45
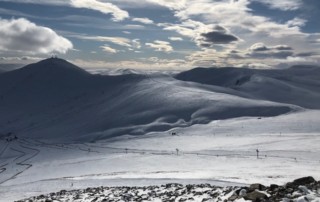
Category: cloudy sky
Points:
column 161, row 34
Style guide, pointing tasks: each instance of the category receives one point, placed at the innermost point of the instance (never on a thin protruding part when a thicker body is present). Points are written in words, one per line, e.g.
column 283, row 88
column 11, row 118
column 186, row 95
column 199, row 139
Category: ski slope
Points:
column 76, row 130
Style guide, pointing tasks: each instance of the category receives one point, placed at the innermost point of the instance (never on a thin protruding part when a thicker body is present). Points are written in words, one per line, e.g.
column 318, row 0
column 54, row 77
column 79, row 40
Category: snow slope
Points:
column 77, row 130
column 298, row 85
column 54, row 98
column 219, row 153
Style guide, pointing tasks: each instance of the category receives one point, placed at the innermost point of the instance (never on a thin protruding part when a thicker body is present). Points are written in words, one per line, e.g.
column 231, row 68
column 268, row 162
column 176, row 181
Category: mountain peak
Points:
column 56, row 63
column 53, row 60
column 54, row 66
column 53, row 72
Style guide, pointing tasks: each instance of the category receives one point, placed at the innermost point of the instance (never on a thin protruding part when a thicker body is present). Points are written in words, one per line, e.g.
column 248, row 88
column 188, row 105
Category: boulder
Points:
column 243, row 192
column 242, row 188
column 233, row 197
column 290, row 185
column 255, row 196
column 273, row 187
column 304, row 181
column 257, row 186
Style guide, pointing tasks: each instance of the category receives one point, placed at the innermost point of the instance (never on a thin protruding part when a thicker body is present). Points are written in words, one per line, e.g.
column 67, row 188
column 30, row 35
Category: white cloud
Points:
column 126, row 32
column 131, row 44
column 242, row 27
column 158, row 45
column 108, row 49
column 153, row 63
column 188, row 28
column 23, row 59
column 258, row 53
column 204, row 58
column 256, row 66
column 282, row 4
column 296, row 59
column 258, row 47
column 107, row 8
column 179, row 28
column 133, row 27
column 204, row 35
column 262, row 47
column 172, row 4
column 51, row 2
column 296, row 22
column 235, row 16
column 121, row 41
column 175, row 38
column 22, row 36
column 136, row 43
column 103, row 7
column 143, row 20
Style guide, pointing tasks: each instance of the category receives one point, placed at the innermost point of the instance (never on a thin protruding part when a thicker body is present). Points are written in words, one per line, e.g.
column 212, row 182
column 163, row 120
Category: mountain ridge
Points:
column 55, row 99
column 298, row 85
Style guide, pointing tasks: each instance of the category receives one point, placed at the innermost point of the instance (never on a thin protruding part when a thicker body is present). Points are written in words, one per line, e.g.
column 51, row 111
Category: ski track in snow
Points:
column 24, row 156
column 28, row 149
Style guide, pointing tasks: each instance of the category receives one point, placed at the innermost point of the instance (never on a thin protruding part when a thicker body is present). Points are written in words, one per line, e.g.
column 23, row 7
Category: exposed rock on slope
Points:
column 301, row 190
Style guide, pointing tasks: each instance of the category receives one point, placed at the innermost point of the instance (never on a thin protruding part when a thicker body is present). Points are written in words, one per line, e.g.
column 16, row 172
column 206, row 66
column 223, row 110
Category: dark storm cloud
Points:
column 260, row 50
column 219, row 37
column 282, row 47
column 307, row 54
column 259, row 47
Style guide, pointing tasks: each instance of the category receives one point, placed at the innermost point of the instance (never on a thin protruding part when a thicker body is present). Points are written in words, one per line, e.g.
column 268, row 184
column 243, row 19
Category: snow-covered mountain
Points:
column 298, row 85
column 64, row 128
column 56, row 99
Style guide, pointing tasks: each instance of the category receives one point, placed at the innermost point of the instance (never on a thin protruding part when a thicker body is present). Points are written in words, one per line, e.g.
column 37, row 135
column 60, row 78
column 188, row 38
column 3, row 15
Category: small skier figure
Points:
column 257, row 150
column 177, row 150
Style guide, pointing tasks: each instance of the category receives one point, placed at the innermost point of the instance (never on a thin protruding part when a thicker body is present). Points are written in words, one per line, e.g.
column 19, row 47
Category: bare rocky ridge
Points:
column 300, row 190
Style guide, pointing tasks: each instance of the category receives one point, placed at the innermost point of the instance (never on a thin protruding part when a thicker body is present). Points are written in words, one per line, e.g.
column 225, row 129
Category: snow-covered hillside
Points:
column 54, row 98
column 64, row 128
column 297, row 85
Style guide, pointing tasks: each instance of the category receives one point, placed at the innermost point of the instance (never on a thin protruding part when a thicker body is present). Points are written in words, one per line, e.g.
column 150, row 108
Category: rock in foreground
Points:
column 300, row 190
